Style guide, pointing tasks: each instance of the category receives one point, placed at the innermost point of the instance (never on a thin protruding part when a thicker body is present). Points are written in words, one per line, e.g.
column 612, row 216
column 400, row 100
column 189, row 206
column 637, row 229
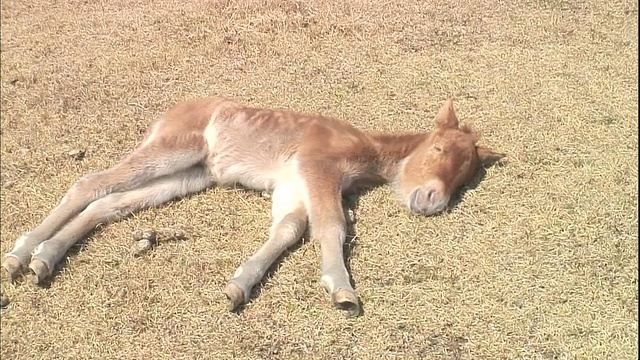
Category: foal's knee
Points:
column 87, row 186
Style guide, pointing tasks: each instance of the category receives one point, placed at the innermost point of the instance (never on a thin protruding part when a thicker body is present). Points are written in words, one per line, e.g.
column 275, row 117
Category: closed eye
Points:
column 437, row 148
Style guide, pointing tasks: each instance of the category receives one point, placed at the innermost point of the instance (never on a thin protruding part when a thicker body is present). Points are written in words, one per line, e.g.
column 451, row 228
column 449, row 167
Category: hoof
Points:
column 12, row 267
column 235, row 296
column 39, row 271
column 347, row 301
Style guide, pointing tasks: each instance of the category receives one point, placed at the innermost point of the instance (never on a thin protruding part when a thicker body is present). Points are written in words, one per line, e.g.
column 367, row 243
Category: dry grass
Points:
column 539, row 261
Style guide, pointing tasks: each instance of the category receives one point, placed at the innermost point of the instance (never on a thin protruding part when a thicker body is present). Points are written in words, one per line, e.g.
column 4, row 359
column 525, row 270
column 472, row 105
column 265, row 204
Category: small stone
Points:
column 9, row 184
column 77, row 154
column 147, row 234
column 4, row 301
column 122, row 293
column 172, row 234
column 141, row 247
column 137, row 235
column 180, row 235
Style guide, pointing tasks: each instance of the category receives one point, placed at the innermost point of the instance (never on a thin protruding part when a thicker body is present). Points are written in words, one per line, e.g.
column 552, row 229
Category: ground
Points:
column 536, row 260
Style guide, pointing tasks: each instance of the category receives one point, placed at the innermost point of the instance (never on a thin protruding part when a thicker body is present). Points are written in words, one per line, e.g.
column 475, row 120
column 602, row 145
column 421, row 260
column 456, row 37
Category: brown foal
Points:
column 306, row 161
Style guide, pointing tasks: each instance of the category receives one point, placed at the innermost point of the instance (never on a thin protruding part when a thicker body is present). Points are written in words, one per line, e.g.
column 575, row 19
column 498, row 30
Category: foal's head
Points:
column 447, row 159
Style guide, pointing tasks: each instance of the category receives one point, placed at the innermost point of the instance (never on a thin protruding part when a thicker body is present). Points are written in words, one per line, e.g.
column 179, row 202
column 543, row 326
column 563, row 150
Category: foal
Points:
column 306, row 161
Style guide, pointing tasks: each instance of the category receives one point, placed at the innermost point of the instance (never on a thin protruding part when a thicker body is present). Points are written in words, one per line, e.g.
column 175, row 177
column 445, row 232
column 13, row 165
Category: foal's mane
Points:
column 468, row 129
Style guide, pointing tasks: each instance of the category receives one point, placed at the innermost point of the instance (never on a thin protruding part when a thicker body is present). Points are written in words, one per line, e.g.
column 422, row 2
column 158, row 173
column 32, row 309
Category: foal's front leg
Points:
column 328, row 226
column 289, row 223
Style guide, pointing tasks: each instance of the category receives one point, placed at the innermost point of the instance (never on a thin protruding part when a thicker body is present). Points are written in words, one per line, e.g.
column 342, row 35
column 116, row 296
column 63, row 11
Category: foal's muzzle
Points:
column 428, row 199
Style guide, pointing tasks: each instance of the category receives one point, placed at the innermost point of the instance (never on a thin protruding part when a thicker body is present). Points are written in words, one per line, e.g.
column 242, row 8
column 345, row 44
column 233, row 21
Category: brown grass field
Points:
column 537, row 260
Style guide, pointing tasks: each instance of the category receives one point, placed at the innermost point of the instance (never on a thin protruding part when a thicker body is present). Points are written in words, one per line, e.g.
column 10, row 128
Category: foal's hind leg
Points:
column 152, row 160
column 114, row 207
column 289, row 223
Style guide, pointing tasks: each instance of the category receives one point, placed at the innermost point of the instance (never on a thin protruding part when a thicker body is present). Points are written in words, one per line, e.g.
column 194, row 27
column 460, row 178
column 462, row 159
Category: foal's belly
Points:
column 246, row 156
column 247, row 174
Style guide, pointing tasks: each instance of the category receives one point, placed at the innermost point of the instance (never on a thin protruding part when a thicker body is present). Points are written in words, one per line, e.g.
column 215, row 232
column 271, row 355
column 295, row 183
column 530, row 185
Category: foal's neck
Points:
column 392, row 149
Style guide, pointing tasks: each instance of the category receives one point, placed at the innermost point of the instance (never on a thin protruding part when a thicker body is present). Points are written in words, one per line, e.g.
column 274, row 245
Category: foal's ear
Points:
column 487, row 156
column 446, row 117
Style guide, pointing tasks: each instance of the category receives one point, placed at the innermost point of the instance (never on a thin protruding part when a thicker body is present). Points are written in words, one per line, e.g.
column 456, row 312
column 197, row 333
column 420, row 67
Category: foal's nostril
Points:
column 430, row 194
column 422, row 199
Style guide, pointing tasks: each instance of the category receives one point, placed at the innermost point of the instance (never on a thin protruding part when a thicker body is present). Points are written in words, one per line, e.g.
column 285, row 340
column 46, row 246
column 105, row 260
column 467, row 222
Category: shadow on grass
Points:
column 481, row 173
column 458, row 197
